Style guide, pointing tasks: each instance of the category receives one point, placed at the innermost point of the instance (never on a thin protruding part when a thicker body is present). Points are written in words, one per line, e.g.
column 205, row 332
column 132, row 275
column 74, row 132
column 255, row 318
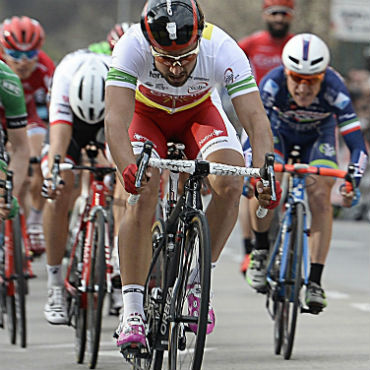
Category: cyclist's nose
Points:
column 176, row 69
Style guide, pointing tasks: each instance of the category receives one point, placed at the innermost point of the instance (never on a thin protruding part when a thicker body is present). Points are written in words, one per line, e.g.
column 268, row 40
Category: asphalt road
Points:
column 243, row 339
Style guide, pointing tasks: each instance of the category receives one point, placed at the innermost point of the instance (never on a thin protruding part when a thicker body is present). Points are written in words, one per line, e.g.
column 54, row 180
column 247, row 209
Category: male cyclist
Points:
column 13, row 117
column 76, row 117
column 21, row 39
column 264, row 48
column 161, row 87
column 305, row 100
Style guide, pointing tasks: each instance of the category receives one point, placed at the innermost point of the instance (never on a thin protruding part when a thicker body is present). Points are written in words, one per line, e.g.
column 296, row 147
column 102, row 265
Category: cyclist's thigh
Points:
column 209, row 131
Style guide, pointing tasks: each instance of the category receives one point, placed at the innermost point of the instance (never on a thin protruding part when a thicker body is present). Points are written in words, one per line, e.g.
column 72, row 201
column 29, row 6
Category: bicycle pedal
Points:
column 134, row 350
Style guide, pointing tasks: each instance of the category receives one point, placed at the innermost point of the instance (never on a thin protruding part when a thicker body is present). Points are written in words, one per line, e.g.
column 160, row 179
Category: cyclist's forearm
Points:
column 60, row 136
column 19, row 166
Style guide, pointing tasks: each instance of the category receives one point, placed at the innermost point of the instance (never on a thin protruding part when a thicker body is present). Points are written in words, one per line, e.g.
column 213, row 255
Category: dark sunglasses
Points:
column 17, row 54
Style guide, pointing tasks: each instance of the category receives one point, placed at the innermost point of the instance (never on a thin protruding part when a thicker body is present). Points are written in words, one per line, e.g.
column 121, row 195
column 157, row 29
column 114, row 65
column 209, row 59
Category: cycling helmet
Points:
column 116, row 32
column 306, row 54
column 172, row 24
column 275, row 5
column 86, row 92
column 21, row 33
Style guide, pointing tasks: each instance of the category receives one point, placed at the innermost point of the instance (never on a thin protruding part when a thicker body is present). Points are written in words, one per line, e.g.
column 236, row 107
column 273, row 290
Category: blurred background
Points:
column 343, row 24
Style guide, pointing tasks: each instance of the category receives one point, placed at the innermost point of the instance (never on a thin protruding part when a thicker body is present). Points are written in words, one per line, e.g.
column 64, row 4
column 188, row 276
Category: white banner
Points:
column 350, row 20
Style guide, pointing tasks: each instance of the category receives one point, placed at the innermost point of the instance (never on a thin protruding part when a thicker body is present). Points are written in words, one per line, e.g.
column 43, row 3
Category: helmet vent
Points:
column 103, row 90
column 294, row 60
column 80, row 88
column 81, row 112
column 318, row 60
column 91, row 114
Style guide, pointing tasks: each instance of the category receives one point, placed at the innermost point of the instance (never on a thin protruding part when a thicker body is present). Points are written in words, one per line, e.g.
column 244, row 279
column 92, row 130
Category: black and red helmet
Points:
column 172, row 24
column 21, row 33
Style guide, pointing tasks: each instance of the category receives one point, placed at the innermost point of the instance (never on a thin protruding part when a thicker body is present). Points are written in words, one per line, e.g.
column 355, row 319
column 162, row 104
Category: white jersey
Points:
column 60, row 110
column 220, row 61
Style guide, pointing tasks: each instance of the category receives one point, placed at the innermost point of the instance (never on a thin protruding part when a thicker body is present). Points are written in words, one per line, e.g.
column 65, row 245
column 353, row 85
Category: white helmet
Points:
column 306, row 54
column 86, row 92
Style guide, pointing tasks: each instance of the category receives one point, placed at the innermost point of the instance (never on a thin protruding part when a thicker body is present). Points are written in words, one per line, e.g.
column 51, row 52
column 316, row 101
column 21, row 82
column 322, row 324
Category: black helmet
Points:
column 172, row 24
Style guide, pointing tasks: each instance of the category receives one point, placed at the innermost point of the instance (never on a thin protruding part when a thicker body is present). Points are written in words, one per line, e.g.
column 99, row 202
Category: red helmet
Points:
column 172, row 24
column 21, row 33
column 116, row 32
column 278, row 4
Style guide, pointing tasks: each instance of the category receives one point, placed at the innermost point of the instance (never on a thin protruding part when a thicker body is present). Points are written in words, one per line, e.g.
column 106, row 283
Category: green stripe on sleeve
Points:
column 117, row 75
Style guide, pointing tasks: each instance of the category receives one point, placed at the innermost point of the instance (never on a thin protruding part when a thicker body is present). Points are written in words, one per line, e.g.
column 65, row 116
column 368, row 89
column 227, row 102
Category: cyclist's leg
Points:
column 322, row 154
column 36, row 136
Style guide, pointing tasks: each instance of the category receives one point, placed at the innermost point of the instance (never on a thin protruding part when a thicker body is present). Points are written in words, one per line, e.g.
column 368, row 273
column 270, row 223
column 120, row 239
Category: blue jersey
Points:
column 332, row 106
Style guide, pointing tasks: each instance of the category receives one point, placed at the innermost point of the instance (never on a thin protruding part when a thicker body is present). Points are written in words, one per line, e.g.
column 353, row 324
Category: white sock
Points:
column 54, row 275
column 133, row 300
column 34, row 217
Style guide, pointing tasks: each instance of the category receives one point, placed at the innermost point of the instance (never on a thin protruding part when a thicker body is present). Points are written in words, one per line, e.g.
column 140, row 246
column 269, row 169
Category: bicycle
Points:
column 181, row 249
column 88, row 272
column 15, row 270
column 288, row 264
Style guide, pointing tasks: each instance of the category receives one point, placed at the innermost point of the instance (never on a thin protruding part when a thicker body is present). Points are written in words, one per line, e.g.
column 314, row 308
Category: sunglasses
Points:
column 17, row 54
column 169, row 60
column 307, row 79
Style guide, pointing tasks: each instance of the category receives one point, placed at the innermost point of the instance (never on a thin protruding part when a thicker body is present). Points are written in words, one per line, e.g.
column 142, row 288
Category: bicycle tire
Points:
column 79, row 312
column 196, row 244
column 278, row 328
column 294, row 275
column 20, row 282
column 97, row 279
column 11, row 318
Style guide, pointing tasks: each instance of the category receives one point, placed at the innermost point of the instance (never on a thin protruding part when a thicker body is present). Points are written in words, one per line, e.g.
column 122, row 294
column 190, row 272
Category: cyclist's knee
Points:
column 228, row 187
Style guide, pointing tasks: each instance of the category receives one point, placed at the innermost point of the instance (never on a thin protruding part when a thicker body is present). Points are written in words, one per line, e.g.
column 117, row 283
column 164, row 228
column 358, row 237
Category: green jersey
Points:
column 13, row 113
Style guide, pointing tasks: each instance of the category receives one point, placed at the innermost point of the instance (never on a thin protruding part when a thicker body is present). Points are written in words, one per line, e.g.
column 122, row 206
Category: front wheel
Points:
column 188, row 333
column 293, row 283
column 96, row 288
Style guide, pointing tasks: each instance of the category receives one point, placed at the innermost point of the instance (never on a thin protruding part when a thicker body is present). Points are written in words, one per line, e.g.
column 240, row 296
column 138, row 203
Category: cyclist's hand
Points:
column 129, row 177
column 4, row 209
column 264, row 195
column 349, row 199
column 48, row 192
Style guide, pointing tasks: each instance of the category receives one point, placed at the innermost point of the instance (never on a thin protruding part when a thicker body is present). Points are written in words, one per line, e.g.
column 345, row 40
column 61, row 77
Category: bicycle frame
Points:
column 96, row 201
column 296, row 194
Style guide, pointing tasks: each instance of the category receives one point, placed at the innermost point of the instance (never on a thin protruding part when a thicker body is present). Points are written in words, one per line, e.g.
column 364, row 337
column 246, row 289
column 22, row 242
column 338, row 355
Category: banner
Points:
column 350, row 20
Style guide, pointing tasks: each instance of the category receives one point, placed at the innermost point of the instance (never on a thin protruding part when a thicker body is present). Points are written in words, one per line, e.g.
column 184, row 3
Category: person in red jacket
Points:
column 263, row 49
column 21, row 39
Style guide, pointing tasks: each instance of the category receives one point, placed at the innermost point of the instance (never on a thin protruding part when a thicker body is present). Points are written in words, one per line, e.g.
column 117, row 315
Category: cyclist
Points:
column 21, row 39
column 264, row 48
column 13, row 117
column 305, row 100
column 172, row 62
column 106, row 47
column 76, row 118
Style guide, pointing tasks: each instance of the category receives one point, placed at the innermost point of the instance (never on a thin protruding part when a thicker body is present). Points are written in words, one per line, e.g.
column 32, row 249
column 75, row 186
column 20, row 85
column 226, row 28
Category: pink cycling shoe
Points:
column 194, row 292
column 131, row 332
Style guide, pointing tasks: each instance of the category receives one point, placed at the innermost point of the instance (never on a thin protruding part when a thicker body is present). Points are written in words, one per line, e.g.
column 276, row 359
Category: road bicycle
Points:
column 88, row 276
column 15, row 270
column 288, row 264
column 181, row 257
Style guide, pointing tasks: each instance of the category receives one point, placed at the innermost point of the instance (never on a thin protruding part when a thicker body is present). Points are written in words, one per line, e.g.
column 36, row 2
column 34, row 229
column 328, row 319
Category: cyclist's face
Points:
column 177, row 73
column 22, row 67
column 302, row 92
column 278, row 23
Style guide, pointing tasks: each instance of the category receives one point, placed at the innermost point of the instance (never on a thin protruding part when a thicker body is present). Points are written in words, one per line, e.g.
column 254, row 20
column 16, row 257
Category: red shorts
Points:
column 203, row 129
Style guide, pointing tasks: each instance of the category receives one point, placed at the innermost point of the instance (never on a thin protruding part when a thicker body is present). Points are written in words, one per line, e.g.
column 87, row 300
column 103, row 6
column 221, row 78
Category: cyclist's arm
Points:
column 60, row 135
column 19, row 157
column 253, row 118
column 119, row 110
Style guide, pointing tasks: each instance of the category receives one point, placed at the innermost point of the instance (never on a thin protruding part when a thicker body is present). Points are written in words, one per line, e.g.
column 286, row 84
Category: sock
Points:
column 54, row 275
column 195, row 276
column 248, row 245
column 316, row 272
column 262, row 240
column 133, row 300
column 34, row 217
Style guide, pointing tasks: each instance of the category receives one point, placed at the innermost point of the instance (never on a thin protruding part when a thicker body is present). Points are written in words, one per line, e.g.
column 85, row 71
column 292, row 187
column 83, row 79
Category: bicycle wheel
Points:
column 291, row 303
column 20, row 281
column 278, row 327
column 11, row 318
column 186, row 348
column 96, row 288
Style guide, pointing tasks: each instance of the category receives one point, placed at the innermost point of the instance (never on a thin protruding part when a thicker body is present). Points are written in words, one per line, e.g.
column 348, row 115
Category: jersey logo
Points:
column 171, row 29
column 11, row 87
column 169, row 7
column 341, row 101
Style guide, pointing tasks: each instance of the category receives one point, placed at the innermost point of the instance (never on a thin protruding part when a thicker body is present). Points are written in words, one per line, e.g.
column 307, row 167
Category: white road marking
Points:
column 362, row 306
